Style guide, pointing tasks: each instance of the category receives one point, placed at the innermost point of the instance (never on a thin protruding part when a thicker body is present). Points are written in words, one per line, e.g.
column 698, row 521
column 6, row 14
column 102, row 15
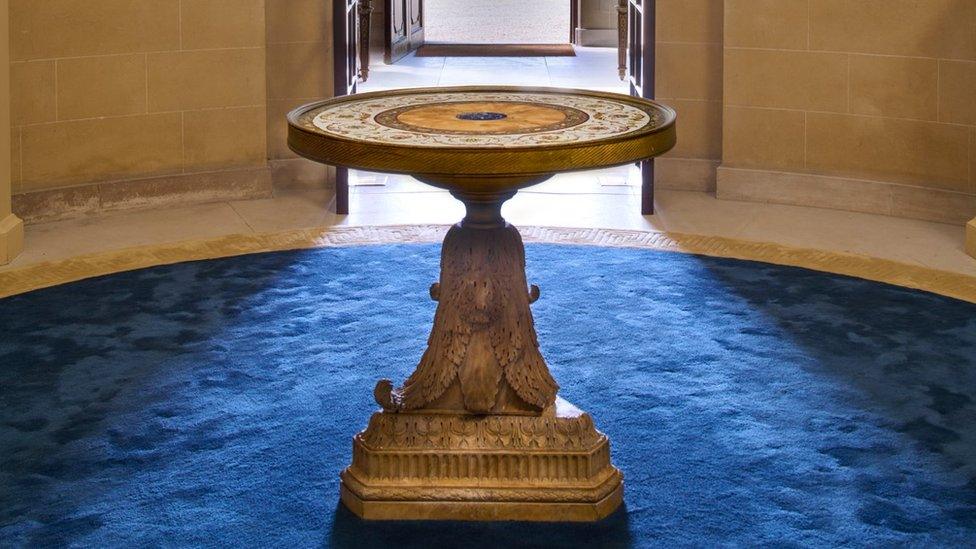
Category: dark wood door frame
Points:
column 574, row 16
column 638, row 35
column 350, row 65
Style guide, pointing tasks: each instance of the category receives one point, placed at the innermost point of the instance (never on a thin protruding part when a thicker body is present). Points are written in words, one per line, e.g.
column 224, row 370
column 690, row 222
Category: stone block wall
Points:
column 689, row 79
column 299, row 37
column 864, row 105
column 119, row 103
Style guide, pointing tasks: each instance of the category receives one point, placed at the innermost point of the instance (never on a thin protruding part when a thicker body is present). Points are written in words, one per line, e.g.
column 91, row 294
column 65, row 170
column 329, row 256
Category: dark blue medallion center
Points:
column 481, row 116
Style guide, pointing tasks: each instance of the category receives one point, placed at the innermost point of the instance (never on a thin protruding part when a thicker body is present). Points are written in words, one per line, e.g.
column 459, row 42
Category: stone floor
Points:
column 592, row 68
column 497, row 21
column 601, row 199
column 922, row 243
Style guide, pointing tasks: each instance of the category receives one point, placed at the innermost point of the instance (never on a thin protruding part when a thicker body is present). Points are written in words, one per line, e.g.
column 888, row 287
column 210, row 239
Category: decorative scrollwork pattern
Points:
column 361, row 120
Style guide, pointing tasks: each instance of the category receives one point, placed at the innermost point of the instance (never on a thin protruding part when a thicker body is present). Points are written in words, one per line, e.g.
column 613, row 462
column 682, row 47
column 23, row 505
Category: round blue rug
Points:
column 213, row 403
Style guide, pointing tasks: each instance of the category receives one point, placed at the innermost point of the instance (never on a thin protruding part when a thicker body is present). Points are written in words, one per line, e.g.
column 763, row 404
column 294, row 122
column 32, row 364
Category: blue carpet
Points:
column 212, row 403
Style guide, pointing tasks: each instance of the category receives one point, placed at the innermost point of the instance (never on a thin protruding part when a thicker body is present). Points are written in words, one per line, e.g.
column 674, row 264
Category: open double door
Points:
column 403, row 28
column 404, row 32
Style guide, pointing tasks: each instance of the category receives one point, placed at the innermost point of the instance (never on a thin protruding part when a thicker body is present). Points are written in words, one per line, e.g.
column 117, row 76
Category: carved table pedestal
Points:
column 477, row 432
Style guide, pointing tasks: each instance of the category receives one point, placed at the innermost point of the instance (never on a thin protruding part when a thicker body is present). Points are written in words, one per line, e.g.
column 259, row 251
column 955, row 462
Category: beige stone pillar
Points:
column 971, row 238
column 597, row 23
column 11, row 227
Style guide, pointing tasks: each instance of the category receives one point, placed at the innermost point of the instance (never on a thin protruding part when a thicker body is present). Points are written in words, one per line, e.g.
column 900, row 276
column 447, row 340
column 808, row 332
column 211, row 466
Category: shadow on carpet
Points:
column 213, row 403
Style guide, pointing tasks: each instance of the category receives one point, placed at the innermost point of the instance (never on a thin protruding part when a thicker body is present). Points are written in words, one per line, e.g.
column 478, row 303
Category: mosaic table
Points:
column 477, row 432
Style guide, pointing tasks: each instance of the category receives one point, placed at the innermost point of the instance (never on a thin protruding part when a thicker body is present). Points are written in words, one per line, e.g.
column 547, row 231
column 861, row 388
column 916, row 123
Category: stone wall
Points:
column 11, row 226
column 299, row 35
column 864, row 105
column 597, row 23
column 122, row 103
column 689, row 78
column 971, row 238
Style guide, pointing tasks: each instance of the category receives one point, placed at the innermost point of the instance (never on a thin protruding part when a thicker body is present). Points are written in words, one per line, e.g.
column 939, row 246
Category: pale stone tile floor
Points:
column 592, row 68
column 601, row 199
column 405, row 201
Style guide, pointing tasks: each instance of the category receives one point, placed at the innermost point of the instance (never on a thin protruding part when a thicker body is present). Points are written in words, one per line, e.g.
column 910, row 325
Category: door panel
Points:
column 396, row 37
column 416, row 24
column 640, row 38
column 404, row 28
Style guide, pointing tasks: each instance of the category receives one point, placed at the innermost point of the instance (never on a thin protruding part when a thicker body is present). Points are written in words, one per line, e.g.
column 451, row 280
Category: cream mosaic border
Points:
column 357, row 120
column 42, row 275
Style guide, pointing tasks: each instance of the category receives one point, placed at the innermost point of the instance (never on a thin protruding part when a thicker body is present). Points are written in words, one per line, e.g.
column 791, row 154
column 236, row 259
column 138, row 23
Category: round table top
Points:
column 489, row 131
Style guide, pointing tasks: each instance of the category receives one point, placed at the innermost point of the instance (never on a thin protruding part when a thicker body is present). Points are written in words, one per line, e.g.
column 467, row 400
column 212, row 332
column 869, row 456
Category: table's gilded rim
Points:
column 641, row 144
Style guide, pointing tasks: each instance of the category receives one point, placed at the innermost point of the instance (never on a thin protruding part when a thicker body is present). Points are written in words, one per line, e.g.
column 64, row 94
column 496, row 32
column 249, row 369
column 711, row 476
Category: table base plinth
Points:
column 424, row 466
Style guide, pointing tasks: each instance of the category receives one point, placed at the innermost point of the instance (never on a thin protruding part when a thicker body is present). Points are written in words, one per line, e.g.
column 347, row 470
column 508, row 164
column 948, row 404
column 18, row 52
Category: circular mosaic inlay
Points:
column 481, row 119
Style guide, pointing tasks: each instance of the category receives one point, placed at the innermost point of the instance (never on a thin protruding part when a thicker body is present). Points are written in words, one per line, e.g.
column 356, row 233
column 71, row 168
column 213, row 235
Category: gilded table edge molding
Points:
column 327, row 148
column 53, row 273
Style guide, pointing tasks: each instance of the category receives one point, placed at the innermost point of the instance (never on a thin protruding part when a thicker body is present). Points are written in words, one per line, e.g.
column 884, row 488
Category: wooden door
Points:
column 404, row 28
column 350, row 46
column 574, row 15
column 639, row 36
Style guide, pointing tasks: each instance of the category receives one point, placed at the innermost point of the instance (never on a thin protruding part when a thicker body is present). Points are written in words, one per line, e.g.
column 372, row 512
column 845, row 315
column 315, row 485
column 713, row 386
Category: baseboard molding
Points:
column 11, row 238
column 496, row 50
column 685, row 174
column 603, row 38
column 842, row 193
column 971, row 238
column 97, row 198
column 299, row 173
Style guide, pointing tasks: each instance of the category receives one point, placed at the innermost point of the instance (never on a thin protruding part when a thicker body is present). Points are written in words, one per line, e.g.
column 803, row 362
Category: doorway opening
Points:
column 475, row 28
column 400, row 27
column 499, row 22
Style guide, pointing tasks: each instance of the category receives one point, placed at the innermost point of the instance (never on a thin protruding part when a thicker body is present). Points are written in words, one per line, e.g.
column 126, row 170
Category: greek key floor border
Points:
column 47, row 274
